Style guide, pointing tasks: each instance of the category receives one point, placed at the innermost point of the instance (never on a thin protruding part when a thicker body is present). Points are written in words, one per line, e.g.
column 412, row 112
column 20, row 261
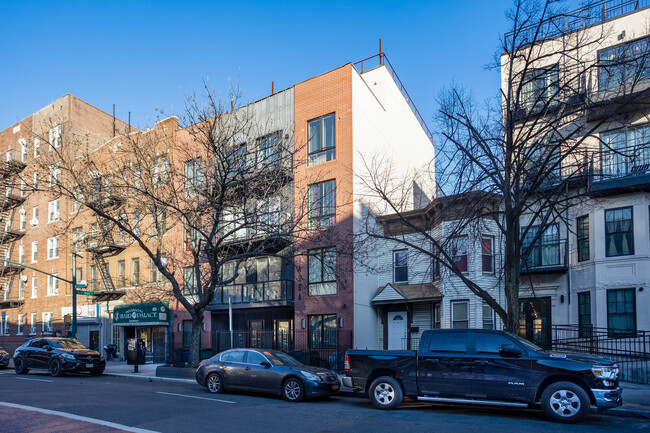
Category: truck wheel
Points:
column 565, row 402
column 386, row 393
column 19, row 366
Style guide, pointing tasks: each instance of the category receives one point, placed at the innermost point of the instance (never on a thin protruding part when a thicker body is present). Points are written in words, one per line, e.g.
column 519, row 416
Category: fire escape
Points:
column 105, row 242
column 10, row 169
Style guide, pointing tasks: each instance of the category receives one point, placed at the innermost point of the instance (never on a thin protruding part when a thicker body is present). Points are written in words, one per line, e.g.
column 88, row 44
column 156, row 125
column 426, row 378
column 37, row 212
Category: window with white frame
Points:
column 34, row 251
column 460, row 314
column 193, row 177
column 459, row 252
column 400, row 266
column 53, row 210
column 34, row 221
column 19, row 331
column 487, row 254
column 53, row 248
column 160, row 170
column 21, row 253
column 23, row 149
column 23, row 188
column 155, row 275
column 32, row 323
column 21, row 287
column 35, row 184
column 37, row 147
column 34, row 286
column 488, row 316
column 52, row 285
column 22, row 220
column 77, row 202
column 55, row 137
column 47, row 321
column 55, row 175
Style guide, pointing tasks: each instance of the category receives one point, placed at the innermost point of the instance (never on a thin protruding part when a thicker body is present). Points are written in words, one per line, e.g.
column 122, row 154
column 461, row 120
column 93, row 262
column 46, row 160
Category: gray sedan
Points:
column 265, row 371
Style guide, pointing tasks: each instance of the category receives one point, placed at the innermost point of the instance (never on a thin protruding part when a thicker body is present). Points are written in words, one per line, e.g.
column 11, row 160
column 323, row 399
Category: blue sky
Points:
column 142, row 56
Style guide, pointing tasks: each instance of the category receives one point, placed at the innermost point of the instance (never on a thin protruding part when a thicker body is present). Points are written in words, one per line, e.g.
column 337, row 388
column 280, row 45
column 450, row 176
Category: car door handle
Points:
column 480, row 361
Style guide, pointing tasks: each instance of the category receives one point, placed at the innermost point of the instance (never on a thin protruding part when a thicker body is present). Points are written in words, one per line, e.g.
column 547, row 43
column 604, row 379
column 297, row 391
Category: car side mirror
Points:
column 509, row 351
column 266, row 364
column 47, row 347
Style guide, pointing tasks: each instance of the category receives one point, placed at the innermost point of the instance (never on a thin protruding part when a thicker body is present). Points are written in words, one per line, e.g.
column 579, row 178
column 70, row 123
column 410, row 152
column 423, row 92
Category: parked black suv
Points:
column 58, row 355
column 485, row 367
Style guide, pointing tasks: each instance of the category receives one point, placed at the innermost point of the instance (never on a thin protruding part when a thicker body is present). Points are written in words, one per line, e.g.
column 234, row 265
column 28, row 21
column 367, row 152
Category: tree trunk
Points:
column 195, row 339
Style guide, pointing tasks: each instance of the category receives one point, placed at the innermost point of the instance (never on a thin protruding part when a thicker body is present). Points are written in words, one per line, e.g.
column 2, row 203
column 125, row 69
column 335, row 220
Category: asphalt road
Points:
column 111, row 404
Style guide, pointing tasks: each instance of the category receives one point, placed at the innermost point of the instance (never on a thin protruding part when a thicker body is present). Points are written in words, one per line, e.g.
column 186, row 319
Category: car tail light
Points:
column 346, row 364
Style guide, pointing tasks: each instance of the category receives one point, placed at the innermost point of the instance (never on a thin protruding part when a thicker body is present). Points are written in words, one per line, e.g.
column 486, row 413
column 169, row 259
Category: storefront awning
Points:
column 406, row 293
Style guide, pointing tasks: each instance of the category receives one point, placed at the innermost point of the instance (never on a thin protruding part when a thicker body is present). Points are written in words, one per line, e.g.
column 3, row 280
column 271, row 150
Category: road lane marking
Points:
column 37, row 380
column 194, row 396
column 78, row 418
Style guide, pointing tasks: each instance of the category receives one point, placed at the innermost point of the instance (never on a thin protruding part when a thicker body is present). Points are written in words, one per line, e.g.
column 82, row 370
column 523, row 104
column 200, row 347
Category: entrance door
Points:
column 397, row 330
column 283, row 336
column 535, row 321
column 158, row 344
column 93, row 340
column 255, row 334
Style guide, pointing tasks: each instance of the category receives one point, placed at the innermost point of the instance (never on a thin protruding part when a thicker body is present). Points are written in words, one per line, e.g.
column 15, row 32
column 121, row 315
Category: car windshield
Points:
column 527, row 343
column 67, row 344
column 280, row 358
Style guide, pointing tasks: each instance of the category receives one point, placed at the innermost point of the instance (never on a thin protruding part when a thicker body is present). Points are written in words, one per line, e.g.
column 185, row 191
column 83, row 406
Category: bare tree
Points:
column 198, row 200
column 523, row 161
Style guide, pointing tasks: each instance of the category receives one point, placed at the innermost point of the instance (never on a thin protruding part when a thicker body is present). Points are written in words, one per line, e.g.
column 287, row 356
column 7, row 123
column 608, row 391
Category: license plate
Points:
column 335, row 387
column 90, row 365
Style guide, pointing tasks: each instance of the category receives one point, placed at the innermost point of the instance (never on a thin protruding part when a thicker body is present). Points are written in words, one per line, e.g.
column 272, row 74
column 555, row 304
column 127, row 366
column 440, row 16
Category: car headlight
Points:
column 605, row 372
column 310, row 376
column 68, row 356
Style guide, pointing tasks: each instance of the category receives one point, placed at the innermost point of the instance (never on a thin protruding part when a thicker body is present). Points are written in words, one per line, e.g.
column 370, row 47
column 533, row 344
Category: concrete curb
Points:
column 628, row 413
column 149, row 378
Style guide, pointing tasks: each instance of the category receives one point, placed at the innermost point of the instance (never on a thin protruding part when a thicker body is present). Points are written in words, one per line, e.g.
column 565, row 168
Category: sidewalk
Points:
column 146, row 371
column 636, row 401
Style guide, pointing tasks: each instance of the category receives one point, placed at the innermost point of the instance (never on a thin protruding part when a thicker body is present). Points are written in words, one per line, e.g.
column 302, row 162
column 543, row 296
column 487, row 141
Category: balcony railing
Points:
column 255, row 292
column 545, row 257
column 562, row 24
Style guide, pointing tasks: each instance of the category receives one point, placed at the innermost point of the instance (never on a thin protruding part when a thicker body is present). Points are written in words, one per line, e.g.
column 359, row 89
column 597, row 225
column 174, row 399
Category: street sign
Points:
column 85, row 292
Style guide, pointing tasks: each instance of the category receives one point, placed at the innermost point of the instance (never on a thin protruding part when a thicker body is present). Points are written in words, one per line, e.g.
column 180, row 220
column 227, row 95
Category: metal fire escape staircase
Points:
column 9, row 171
column 103, row 245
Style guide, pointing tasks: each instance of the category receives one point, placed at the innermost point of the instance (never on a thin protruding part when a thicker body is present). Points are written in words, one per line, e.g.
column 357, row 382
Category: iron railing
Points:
column 329, row 353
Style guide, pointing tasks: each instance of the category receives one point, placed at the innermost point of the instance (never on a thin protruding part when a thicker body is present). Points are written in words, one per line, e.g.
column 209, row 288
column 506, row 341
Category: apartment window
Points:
column 34, row 221
column 47, row 322
column 460, row 314
column 32, row 323
column 19, row 331
column 23, row 188
column 21, row 253
column 400, row 266
column 625, row 152
column 582, row 234
column 160, row 170
column 623, row 64
column 22, row 219
column 77, row 239
column 268, row 150
column 435, row 265
column 34, row 251
column 52, row 285
column 53, row 248
column 55, row 175
column 322, row 331
column 158, row 223
column 437, row 316
column 135, row 272
column 34, row 287
column 268, row 215
column 488, row 316
column 77, row 201
column 37, row 147
column 23, row 149
column 55, row 137
column 322, row 139
column 322, row 271
column 621, row 313
column 193, row 177
column 487, row 254
column 540, row 87
column 459, row 252
column 4, row 326
column 584, row 314
column 21, row 287
column 121, row 273
column 190, row 285
column 322, row 205
column 155, row 275
column 94, row 283
column 619, row 232
column 53, row 208
column 35, row 184
column 545, row 251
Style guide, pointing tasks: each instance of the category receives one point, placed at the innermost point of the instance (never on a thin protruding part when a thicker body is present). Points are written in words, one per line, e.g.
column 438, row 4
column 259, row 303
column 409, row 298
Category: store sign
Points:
column 82, row 310
column 141, row 313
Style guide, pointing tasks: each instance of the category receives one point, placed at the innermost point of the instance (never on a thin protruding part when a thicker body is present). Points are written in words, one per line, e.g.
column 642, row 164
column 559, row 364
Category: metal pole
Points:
column 74, row 295
column 230, row 320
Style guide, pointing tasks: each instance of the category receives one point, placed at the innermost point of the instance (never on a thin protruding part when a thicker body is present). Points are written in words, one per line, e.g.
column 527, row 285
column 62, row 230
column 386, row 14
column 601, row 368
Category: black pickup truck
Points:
column 485, row 367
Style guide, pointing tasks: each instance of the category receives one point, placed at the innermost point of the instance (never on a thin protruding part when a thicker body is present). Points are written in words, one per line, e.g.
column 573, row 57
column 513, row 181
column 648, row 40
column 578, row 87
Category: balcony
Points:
column 265, row 294
column 546, row 258
column 7, row 268
column 105, row 245
column 622, row 171
column 11, row 235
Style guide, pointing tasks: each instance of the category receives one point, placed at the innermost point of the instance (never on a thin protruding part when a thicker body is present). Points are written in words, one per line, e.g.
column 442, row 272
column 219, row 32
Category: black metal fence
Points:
column 328, row 353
